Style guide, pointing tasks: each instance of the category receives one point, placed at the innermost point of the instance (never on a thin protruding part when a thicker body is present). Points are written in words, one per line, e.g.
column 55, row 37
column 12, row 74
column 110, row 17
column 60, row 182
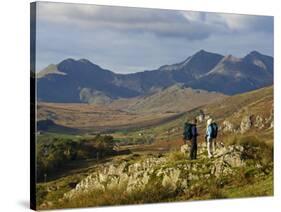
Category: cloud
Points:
column 236, row 22
column 225, row 22
column 186, row 24
column 133, row 39
column 134, row 20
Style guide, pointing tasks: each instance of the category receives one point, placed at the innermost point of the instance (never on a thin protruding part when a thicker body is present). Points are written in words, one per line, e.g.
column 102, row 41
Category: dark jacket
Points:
column 194, row 131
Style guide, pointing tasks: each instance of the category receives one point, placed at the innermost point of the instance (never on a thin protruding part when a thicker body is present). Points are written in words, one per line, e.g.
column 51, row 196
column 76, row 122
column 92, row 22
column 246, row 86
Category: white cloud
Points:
column 122, row 39
column 139, row 20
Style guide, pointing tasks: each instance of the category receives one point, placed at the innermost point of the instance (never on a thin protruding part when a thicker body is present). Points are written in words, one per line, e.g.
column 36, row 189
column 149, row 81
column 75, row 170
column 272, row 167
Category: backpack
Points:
column 187, row 133
column 214, row 131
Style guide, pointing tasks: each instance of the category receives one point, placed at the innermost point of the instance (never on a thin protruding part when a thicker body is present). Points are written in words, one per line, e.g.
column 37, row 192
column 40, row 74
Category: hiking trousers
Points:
column 193, row 149
column 210, row 146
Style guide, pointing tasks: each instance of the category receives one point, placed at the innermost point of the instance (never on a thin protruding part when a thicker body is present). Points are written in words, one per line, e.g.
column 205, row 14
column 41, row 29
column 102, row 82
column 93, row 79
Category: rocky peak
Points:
column 85, row 61
column 254, row 54
column 230, row 58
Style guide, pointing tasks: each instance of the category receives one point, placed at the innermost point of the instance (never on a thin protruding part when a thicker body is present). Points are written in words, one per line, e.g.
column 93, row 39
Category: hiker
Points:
column 211, row 135
column 190, row 134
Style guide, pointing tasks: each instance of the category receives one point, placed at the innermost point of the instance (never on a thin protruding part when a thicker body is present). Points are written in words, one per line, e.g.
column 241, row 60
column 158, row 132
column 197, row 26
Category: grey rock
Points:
column 134, row 177
column 246, row 123
column 259, row 122
column 184, row 148
column 227, row 126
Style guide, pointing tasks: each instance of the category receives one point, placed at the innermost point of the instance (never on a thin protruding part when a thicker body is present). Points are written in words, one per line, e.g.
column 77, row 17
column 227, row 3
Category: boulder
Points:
column 259, row 122
column 184, row 148
column 246, row 123
column 228, row 158
column 227, row 126
column 270, row 120
column 200, row 118
column 171, row 178
column 271, row 125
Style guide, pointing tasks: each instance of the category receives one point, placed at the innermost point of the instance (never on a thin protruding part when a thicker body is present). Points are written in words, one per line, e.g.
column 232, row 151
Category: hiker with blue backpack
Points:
column 190, row 134
column 211, row 135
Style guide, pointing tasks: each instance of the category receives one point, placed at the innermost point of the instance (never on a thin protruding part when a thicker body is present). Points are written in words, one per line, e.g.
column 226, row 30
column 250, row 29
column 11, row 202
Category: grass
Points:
column 176, row 156
column 236, row 186
column 44, row 191
column 262, row 187
column 247, row 182
column 259, row 149
column 81, row 116
column 153, row 192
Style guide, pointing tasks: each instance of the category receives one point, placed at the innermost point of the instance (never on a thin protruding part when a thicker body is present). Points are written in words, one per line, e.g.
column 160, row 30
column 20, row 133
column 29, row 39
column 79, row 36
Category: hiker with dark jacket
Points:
column 190, row 134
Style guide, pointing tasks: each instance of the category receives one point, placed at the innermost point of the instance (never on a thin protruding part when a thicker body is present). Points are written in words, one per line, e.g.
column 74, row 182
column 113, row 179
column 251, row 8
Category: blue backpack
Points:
column 214, row 131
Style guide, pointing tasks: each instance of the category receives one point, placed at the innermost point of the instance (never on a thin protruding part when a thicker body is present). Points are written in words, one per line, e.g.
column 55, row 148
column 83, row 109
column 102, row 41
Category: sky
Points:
column 128, row 40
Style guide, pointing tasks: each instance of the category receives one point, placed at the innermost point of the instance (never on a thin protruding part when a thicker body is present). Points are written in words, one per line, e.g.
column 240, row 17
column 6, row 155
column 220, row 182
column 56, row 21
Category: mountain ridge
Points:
column 203, row 70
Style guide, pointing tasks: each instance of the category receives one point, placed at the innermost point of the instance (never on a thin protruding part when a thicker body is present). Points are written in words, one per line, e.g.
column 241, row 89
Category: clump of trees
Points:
column 54, row 153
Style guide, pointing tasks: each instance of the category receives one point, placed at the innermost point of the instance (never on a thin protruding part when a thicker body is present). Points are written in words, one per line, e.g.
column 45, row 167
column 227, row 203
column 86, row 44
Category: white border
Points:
column 14, row 117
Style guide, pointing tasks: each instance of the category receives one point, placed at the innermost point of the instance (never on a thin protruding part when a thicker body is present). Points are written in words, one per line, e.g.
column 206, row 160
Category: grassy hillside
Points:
column 232, row 109
column 136, row 179
column 97, row 118
column 242, row 166
column 255, row 102
column 176, row 98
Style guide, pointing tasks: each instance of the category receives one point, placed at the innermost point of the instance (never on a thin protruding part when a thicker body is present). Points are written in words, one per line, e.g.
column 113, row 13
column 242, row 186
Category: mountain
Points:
column 194, row 66
column 236, row 75
column 83, row 81
column 67, row 80
column 188, row 70
column 176, row 98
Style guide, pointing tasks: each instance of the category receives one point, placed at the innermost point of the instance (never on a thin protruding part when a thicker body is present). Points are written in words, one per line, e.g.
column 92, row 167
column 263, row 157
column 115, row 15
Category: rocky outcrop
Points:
column 227, row 126
column 259, row 122
column 246, row 123
column 173, row 175
column 200, row 118
column 227, row 158
column 184, row 148
column 270, row 119
column 271, row 125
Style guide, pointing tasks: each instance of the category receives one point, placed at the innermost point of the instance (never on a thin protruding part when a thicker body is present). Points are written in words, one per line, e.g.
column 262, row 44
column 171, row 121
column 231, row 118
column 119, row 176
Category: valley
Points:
column 159, row 107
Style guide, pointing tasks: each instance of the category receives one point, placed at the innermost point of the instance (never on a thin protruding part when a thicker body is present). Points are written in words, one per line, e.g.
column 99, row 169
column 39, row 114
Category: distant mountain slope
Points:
column 176, row 98
column 65, row 81
column 159, row 107
column 50, row 126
